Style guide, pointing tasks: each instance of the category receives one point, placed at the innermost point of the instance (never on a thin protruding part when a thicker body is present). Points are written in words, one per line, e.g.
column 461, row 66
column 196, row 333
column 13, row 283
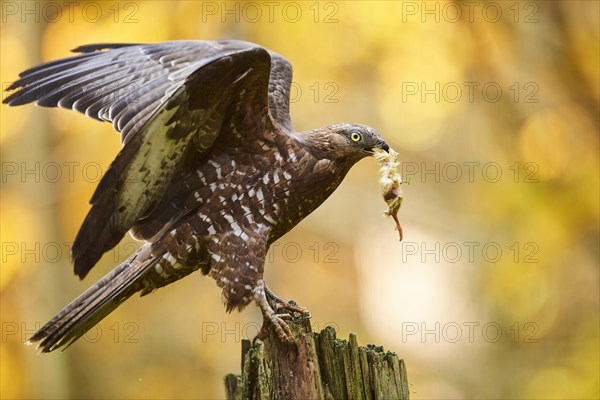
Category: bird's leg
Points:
column 278, row 304
column 282, row 329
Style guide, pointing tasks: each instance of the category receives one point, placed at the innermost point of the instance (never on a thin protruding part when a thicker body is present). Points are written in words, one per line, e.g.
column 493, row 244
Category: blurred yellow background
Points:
column 493, row 106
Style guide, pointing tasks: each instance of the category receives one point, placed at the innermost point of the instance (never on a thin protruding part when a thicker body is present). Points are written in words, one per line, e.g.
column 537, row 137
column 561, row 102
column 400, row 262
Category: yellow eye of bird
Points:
column 355, row 136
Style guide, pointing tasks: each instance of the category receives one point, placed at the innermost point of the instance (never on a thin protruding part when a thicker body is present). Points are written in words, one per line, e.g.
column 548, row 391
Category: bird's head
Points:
column 347, row 141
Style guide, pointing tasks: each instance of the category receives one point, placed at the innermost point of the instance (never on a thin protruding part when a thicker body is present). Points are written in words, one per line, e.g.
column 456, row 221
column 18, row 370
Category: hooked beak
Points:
column 383, row 146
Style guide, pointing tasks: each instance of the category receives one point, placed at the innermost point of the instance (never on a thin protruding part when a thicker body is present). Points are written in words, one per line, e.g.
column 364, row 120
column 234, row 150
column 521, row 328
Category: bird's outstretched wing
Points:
column 167, row 100
column 125, row 83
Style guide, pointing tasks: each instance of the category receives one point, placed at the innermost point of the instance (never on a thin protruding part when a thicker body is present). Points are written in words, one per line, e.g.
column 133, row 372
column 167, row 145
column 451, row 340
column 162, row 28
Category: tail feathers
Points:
column 94, row 304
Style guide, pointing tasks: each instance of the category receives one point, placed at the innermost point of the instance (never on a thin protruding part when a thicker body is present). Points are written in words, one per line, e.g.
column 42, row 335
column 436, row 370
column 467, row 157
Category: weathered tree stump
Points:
column 318, row 367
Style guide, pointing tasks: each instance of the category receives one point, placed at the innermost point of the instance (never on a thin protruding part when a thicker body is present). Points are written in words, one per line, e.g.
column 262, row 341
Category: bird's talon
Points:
column 292, row 309
column 277, row 304
column 277, row 320
column 283, row 331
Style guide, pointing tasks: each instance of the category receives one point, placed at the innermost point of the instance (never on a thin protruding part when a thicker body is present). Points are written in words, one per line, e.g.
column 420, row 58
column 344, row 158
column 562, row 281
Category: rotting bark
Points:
column 320, row 366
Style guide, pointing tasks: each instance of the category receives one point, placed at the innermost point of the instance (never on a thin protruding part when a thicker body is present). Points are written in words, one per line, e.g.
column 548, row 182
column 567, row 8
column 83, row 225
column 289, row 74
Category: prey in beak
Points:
column 390, row 181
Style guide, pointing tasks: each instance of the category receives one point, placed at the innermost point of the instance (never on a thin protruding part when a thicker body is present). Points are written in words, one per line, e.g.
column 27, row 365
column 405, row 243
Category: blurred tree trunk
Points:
column 38, row 140
column 320, row 367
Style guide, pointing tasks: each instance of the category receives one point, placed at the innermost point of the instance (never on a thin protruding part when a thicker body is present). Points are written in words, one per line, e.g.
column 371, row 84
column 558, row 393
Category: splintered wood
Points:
column 317, row 366
column 390, row 182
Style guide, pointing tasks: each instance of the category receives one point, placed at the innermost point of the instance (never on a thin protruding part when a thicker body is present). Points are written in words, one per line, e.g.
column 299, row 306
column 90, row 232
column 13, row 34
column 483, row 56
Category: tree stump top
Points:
column 320, row 366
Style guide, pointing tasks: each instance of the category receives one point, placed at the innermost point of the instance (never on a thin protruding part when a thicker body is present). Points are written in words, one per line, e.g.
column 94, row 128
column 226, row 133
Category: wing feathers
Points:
column 138, row 178
column 64, row 82
column 50, row 68
column 279, row 91
column 44, row 79
column 167, row 100
column 101, row 46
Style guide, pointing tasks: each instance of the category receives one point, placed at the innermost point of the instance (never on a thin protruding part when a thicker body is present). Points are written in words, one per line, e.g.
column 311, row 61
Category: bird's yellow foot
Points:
column 278, row 305
column 275, row 312
column 283, row 331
